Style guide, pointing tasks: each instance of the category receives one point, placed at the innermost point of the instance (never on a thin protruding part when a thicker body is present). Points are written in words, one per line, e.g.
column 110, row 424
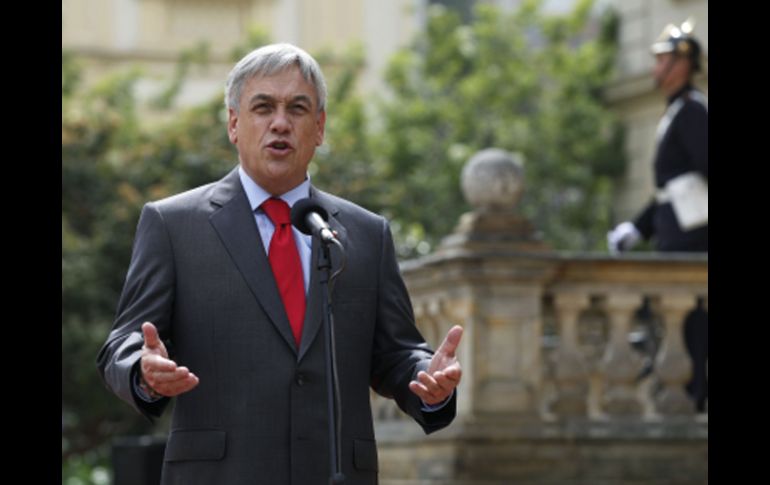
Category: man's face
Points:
column 277, row 129
column 671, row 72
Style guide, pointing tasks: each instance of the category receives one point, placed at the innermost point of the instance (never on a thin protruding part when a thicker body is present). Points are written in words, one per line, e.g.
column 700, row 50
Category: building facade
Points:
column 106, row 35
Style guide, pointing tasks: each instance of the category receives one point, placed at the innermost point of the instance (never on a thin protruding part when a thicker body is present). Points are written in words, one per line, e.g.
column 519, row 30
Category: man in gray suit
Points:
column 211, row 314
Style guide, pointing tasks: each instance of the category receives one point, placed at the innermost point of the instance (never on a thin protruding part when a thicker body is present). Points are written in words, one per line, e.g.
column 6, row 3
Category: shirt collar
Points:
column 257, row 195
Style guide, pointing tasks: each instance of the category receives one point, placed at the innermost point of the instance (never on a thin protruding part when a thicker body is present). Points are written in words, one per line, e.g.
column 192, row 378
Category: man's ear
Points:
column 321, row 124
column 232, row 125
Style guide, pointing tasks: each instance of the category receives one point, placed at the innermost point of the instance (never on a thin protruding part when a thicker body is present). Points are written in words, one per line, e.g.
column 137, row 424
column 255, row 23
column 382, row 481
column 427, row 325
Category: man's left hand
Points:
column 444, row 372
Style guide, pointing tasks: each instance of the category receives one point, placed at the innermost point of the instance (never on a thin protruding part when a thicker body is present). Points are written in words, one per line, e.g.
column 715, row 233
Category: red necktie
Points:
column 286, row 265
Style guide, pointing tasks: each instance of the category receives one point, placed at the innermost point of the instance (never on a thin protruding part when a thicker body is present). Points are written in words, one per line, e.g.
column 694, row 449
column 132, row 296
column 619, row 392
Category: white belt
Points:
column 688, row 195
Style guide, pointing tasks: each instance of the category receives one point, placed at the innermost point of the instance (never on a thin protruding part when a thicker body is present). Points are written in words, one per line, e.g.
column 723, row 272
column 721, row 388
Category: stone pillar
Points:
column 673, row 365
column 620, row 365
column 502, row 286
column 571, row 374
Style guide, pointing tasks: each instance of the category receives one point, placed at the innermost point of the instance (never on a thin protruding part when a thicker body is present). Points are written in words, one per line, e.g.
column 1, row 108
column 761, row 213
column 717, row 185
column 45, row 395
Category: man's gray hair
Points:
column 269, row 60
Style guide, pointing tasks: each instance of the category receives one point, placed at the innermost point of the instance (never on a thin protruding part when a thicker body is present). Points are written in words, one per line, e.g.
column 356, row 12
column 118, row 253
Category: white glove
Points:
column 623, row 237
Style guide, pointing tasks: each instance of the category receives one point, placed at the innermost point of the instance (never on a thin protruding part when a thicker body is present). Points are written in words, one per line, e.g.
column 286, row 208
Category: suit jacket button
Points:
column 300, row 379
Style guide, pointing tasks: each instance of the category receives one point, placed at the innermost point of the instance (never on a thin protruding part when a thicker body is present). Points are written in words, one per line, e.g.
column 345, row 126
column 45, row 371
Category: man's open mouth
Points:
column 279, row 145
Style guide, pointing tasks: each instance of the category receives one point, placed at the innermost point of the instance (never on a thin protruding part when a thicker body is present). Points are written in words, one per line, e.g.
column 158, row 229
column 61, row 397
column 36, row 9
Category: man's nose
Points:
column 280, row 122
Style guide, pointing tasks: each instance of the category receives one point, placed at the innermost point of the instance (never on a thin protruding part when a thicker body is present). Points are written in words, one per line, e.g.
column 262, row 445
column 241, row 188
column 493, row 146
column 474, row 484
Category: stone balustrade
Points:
column 568, row 358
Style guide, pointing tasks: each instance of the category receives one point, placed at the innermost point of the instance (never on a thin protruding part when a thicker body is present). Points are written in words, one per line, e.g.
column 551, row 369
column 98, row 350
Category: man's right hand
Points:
column 622, row 238
column 159, row 372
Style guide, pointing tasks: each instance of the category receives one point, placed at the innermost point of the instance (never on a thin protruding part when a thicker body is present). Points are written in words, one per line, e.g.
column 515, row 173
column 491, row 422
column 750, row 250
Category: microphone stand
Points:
column 332, row 379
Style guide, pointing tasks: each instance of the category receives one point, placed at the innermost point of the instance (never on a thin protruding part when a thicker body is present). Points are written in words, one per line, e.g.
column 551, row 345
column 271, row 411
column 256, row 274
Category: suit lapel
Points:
column 314, row 312
column 314, row 308
column 235, row 224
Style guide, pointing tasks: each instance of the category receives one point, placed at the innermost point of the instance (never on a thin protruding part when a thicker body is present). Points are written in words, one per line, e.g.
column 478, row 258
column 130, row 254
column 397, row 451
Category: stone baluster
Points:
column 620, row 365
column 571, row 374
column 673, row 366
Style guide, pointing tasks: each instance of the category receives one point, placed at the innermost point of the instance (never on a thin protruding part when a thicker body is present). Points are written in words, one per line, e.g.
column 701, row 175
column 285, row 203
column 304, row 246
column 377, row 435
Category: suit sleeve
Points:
column 644, row 221
column 693, row 132
column 400, row 352
column 147, row 296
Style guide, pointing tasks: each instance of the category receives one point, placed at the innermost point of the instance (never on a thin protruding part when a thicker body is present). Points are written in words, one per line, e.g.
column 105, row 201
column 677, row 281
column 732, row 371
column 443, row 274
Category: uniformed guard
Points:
column 676, row 218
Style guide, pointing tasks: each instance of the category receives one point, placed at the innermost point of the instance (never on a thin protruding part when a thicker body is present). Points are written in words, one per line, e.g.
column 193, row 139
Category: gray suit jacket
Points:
column 259, row 415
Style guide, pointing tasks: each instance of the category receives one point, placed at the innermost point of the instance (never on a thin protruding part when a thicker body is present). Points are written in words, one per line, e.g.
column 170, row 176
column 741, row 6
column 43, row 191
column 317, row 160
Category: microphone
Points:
column 310, row 218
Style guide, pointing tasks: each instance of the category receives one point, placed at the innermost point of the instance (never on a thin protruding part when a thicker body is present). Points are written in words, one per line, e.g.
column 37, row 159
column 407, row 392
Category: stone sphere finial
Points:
column 493, row 179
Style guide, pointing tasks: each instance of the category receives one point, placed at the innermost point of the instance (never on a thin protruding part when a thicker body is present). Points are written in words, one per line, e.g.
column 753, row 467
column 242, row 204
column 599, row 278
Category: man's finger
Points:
column 174, row 386
column 179, row 387
column 445, row 383
column 446, row 380
column 168, row 377
column 151, row 338
column 421, row 391
column 429, row 382
column 452, row 371
column 451, row 341
column 429, row 398
column 156, row 363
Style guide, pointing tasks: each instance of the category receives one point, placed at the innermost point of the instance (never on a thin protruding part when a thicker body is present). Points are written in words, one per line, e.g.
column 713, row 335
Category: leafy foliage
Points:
column 523, row 82
column 110, row 168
